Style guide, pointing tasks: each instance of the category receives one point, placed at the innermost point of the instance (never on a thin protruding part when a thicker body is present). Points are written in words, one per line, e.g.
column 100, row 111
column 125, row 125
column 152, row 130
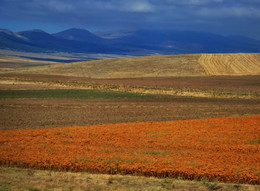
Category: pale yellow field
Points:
column 230, row 64
column 16, row 61
column 155, row 66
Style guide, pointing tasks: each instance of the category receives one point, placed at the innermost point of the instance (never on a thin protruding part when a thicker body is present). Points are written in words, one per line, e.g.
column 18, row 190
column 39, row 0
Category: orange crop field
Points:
column 224, row 149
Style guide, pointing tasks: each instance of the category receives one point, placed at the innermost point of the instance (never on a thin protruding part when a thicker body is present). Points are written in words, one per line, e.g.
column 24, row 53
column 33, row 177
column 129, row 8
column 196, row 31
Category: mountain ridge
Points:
column 142, row 42
column 76, row 34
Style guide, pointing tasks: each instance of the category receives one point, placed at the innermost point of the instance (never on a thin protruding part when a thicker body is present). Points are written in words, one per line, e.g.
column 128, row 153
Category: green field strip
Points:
column 70, row 93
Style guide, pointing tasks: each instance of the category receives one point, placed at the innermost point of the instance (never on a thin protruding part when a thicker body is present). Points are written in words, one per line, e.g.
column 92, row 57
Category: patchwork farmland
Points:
column 180, row 116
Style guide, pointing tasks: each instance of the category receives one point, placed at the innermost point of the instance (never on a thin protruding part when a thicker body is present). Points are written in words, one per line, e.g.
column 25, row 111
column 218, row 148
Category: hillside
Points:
column 140, row 42
column 17, row 62
column 156, row 66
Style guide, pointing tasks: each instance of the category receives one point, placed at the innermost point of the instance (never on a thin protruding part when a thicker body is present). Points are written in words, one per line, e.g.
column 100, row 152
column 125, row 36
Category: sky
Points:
column 225, row 17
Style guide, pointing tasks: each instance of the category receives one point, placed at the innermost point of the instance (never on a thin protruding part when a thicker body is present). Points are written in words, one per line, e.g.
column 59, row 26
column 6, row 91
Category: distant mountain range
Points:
column 142, row 42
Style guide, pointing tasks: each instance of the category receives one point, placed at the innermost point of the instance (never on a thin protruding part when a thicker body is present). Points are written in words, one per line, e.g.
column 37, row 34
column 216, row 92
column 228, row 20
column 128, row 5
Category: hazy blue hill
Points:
column 11, row 40
column 80, row 35
column 59, row 42
column 98, row 44
column 248, row 44
column 189, row 42
column 44, row 40
column 142, row 42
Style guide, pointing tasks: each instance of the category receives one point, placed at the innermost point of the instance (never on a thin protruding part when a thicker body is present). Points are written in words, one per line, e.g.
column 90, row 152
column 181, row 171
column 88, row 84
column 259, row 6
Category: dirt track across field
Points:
column 40, row 113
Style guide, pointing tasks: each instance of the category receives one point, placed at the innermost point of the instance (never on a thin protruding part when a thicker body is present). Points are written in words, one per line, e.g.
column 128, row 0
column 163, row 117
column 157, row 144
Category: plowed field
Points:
column 61, row 112
column 226, row 149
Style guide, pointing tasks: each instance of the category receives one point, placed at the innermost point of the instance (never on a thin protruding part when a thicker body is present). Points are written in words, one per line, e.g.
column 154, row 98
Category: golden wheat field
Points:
column 156, row 66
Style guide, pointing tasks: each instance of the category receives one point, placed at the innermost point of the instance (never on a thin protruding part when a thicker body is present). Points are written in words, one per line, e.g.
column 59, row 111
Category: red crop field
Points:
column 224, row 149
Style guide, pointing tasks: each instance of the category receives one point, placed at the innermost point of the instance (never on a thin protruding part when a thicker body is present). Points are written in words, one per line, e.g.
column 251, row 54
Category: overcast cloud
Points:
column 219, row 16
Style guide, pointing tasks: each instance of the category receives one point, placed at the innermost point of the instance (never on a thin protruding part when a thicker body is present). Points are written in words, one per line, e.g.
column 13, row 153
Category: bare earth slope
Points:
column 156, row 66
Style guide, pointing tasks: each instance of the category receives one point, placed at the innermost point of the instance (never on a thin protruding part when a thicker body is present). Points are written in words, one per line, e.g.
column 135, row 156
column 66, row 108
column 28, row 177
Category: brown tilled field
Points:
column 40, row 113
column 53, row 112
column 243, row 84
column 199, row 86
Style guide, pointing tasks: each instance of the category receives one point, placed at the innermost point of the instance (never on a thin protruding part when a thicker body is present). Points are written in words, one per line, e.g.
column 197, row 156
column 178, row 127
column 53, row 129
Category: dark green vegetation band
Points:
column 69, row 93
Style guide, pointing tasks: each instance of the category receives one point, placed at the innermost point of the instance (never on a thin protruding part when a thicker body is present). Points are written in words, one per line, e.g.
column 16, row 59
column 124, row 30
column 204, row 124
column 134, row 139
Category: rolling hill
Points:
column 13, row 41
column 73, row 40
column 156, row 66
column 183, row 42
column 80, row 35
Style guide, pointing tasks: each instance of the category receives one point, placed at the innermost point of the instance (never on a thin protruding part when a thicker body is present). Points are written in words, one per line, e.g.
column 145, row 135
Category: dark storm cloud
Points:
column 222, row 16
